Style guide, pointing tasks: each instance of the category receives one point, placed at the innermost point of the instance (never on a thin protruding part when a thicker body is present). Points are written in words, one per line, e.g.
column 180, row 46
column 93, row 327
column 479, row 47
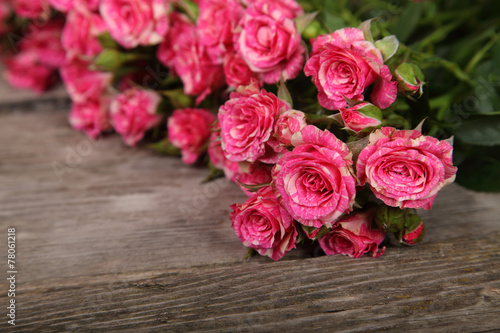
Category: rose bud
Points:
column 408, row 228
column 289, row 123
column 410, row 78
column 361, row 116
column 414, row 231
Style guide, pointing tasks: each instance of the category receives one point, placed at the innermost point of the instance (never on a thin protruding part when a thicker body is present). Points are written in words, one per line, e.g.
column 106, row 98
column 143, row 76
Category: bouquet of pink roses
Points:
column 309, row 115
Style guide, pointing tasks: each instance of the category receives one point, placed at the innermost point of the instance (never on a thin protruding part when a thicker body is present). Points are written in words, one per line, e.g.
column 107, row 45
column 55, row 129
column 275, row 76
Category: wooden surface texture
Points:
column 113, row 238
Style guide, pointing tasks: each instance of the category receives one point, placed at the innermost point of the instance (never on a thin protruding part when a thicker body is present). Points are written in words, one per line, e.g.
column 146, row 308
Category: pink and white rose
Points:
column 361, row 116
column 183, row 53
column 136, row 22
column 67, row 5
column 270, row 43
column 404, row 168
column 237, row 72
column 25, row 71
column 82, row 83
column 79, row 36
column 257, row 174
column 315, row 180
column 31, row 9
column 219, row 160
column 44, row 41
column 262, row 224
column 133, row 112
column 5, row 13
column 189, row 130
column 214, row 32
column 91, row 116
column 353, row 236
column 343, row 64
column 290, row 8
column 247, row 123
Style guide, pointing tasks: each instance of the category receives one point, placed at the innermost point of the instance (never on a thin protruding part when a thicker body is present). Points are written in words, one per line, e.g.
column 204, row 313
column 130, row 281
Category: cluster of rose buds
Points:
column 307, row 175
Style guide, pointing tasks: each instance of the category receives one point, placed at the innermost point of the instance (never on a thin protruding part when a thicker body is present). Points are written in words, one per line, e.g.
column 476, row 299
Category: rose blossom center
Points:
column 342, row 244
column 312, row 188
column 264, row 37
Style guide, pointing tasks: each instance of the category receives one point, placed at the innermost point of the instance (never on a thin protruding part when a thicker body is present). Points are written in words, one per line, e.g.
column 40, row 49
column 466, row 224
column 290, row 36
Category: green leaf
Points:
column 190, row 8
column 407, row 22
column 481, row 130
column 177, row 98
column 165, row 147
column 480, row 174
column 334, row 22
column 487, row 76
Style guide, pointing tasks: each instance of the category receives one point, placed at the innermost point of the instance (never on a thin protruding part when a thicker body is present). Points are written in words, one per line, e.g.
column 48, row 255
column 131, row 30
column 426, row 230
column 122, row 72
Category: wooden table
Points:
column 113, row 238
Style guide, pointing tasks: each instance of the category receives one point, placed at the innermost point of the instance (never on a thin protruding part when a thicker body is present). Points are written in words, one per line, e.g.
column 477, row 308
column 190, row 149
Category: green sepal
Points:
column 390, row 219
column 388, row 46
column 165, row 147
column 177, row 98
column 106, row 41
column 111, row 59
column 251, row 252
column 304, row 21
column 284, row 94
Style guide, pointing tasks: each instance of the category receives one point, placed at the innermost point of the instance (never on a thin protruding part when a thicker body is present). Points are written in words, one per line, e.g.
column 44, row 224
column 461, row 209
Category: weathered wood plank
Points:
column 120, row 238
column 453, row 286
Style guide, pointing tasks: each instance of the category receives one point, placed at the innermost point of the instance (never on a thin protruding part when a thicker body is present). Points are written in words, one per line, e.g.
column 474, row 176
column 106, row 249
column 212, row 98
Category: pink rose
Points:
column 183, row 53
column 82, row 83
column 405, row 169
column 290, row 8
column 5, row 13
column 79, row 37
column 66, row 5
column 343, row 64
column 237, row 72
column 44, row 40
column 361, row 116
column 133, row 112
column 31, row 9
column 214, row 32
column 24, row 71
column 247, row 122
column 180, row 25
column 257, row 174
column 136, row 22
column 289, row 123
column 315, row 180
column 270, row 43
column 189, row 130
column 262, row 224
column 91, row 116
column 353, row 236
column 219, row 160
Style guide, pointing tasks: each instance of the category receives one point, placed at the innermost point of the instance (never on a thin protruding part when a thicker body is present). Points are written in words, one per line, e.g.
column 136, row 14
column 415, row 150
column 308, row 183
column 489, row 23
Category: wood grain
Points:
column 123, row 239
